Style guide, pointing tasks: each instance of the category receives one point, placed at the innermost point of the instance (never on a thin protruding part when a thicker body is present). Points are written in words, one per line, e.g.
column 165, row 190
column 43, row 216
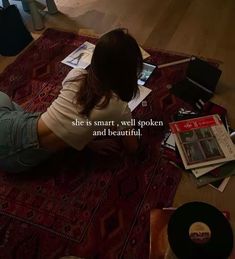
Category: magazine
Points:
column 80, row 57
column 203, row 141
column 145, row 74
column 198, row 172
column 224, row 171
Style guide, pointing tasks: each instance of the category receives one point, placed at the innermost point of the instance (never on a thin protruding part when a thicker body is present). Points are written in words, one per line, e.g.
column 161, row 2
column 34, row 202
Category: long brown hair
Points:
column 115, row 66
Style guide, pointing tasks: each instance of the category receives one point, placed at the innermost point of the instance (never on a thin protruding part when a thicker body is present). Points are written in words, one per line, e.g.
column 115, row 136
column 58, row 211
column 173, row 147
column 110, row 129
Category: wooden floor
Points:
column 199, row 27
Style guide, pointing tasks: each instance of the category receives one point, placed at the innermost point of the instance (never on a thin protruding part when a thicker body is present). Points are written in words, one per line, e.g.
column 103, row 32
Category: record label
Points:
column 199, row 233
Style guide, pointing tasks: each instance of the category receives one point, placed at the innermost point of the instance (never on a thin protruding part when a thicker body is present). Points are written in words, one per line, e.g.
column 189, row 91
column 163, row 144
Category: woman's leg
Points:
column 6, row 103
column 19, row 146
column 17, row 107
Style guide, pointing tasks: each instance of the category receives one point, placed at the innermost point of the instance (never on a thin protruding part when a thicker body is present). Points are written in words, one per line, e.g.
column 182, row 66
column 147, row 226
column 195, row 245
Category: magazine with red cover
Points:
column 202, row 141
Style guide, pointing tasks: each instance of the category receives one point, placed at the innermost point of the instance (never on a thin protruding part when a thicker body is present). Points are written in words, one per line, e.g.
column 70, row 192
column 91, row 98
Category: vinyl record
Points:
column 198, row 230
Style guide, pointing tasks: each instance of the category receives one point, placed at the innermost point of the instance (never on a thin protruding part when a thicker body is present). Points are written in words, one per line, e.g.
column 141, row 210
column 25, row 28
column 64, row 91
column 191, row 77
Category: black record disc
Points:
column 198, row 230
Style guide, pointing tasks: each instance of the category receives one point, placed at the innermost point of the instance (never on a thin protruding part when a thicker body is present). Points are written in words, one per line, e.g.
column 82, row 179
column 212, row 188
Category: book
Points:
column 221, row 184
column 199, row 83
column 209, row 108
column 202, row 141
column 80, row 57
column 224, row 171
column 199, row 172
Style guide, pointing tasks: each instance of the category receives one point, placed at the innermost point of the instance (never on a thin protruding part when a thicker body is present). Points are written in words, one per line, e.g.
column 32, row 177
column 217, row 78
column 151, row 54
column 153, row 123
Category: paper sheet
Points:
column 143, row 93
column 144, row 53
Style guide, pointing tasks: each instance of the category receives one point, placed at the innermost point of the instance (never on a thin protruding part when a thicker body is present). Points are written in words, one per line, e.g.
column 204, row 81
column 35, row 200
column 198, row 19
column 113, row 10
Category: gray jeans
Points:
column 19, row 146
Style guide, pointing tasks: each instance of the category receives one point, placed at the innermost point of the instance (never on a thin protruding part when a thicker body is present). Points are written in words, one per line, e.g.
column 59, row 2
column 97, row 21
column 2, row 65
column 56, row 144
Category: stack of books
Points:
column 203, row 143
column 205, row 148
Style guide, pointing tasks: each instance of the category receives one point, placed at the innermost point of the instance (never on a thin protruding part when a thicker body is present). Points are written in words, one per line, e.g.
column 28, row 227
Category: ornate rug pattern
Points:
column 79, row 203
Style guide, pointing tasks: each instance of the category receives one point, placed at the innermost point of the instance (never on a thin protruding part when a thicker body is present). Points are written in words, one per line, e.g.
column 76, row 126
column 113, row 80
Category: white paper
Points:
column 80, row 57
column 144, row 53
column 143, row 93
column 171, row 141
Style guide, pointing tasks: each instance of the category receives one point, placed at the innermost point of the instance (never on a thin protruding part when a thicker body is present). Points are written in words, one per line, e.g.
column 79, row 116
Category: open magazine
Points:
column 203, row 141
column 146, row 72
column 80, row 57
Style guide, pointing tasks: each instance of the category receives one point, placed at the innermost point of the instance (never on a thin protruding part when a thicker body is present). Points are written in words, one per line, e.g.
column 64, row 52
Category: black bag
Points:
column 14, row 36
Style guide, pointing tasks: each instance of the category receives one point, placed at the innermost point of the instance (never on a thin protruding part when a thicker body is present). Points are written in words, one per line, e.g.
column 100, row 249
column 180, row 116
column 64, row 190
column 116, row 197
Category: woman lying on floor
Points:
column 99, row 94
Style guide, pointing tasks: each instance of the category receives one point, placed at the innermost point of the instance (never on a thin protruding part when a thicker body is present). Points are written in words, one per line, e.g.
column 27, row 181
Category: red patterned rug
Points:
column 78, row 203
